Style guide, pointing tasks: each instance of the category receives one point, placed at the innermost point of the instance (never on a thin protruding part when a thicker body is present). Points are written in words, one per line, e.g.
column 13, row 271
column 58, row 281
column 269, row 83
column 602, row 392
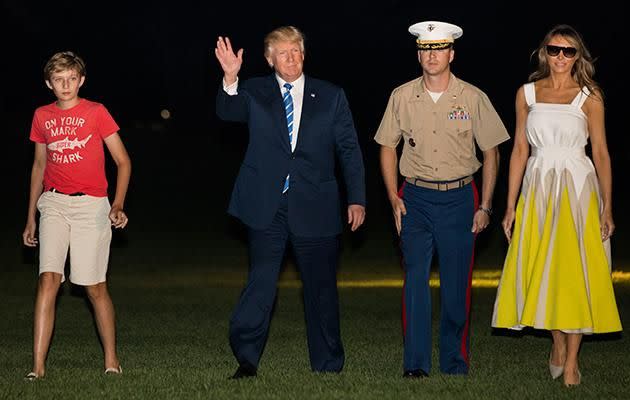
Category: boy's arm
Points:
column 37, row 177
column 123, row 163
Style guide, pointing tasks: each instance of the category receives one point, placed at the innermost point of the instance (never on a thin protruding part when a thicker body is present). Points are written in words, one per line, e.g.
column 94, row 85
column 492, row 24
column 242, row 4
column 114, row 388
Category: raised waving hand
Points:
column 230, row 62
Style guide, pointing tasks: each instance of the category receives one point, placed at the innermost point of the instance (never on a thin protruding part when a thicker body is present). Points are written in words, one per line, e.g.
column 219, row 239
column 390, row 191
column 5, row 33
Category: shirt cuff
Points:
column 231, row 90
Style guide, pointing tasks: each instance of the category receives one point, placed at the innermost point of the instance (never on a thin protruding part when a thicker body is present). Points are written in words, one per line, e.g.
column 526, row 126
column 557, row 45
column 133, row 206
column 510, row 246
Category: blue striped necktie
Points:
column 287, row 99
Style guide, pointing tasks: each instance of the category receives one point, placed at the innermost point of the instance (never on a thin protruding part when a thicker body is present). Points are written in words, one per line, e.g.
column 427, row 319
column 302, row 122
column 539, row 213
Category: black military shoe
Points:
column 244, row 370
column 415, row 373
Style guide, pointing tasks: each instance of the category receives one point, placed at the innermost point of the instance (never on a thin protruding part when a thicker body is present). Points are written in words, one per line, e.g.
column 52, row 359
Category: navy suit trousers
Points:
column 317, row 260
column 442, row 222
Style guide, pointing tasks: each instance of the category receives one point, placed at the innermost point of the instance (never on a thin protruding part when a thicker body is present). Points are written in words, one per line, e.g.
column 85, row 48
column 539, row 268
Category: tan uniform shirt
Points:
column 439, row 138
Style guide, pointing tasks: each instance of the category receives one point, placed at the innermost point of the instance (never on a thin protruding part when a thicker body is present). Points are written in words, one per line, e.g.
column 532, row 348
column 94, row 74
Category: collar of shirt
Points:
column 434, row 95
column 296, row 90
column 454, row 87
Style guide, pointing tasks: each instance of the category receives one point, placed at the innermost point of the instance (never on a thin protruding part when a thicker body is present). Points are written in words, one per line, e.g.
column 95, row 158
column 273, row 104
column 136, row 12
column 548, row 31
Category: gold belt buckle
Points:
column 451, row 185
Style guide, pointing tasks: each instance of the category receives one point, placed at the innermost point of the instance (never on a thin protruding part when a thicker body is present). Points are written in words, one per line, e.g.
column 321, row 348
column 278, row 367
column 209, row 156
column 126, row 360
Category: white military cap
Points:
column 435, row 34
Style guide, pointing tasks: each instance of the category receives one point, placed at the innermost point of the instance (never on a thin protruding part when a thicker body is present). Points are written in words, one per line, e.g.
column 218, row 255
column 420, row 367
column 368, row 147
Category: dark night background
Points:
column 143, row 57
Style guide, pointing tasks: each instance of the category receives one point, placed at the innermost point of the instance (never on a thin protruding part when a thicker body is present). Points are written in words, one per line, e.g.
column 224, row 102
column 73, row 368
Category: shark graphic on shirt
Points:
column 61, row 145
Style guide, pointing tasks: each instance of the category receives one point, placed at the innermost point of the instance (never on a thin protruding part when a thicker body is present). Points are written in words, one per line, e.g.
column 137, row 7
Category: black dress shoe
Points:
column 244, row 371
column 415, row 373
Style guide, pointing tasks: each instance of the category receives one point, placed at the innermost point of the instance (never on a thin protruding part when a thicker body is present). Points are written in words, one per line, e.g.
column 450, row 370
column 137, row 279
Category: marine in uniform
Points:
column 440, row 120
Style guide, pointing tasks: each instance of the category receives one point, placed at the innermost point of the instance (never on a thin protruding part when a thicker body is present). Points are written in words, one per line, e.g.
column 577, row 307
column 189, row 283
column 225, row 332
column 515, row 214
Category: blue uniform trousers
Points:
column 437, row 221
column 317, row 260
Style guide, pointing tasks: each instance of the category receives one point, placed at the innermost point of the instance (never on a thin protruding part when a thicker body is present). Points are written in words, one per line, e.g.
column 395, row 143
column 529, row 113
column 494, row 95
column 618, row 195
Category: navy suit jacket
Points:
column 326, row 134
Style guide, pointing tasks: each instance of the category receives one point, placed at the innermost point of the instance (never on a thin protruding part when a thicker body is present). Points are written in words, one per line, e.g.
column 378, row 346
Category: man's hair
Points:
column 63, row 61
column 283, row 34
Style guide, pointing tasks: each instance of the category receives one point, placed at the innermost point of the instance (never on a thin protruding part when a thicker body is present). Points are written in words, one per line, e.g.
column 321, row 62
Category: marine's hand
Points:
column 508, row 220
column 399, row 209
column 28, row 237
column 356, row 216
column 118, row 217
column 608, row 226
column 230, row 62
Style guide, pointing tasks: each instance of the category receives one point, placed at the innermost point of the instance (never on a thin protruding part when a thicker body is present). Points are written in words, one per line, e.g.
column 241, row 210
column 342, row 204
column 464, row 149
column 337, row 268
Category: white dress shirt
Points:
column 297, row 92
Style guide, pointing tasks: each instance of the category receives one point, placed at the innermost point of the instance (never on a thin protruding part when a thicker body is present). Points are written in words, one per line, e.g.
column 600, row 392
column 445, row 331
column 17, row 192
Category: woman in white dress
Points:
column 556, row 274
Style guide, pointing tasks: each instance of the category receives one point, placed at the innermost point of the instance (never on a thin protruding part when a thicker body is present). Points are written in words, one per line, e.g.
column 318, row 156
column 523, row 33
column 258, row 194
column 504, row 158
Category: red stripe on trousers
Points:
column 463, row 350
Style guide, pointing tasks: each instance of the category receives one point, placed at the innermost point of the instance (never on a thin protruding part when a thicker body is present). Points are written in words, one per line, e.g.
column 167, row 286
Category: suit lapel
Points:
column 308, row 104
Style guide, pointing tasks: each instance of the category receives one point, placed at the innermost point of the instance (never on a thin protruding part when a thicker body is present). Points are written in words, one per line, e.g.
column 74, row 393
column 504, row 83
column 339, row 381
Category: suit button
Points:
column 293, row 157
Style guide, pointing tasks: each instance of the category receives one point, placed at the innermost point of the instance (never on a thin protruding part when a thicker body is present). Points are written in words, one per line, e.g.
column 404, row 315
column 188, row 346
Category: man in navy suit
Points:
column 286, row 191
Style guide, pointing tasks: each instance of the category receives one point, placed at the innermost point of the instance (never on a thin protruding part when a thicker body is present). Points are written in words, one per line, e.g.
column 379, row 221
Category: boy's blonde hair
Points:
column 63, row 61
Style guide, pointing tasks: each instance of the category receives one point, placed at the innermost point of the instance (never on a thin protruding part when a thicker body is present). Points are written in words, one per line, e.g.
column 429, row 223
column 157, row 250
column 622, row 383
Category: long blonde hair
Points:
column 583, row 68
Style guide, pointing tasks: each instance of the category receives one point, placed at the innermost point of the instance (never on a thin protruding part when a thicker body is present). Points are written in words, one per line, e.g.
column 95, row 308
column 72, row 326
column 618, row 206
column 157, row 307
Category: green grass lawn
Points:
column 173, row 325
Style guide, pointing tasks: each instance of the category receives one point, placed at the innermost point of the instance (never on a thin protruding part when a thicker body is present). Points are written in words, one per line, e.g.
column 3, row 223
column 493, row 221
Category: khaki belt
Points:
column 442, row 186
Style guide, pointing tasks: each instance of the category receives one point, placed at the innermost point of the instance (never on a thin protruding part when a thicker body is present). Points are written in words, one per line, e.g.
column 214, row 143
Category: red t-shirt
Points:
column 75, row 160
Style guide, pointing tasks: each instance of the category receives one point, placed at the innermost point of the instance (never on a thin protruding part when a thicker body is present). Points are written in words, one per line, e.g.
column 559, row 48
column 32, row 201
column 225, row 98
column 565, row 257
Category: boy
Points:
column 69, row 188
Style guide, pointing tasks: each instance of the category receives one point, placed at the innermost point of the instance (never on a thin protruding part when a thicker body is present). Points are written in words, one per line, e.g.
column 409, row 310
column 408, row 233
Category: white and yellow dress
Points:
column 557, row 272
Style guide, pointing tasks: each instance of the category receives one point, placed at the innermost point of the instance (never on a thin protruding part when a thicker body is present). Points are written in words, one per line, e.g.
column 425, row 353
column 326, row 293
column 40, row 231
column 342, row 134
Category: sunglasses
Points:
column 553, row 51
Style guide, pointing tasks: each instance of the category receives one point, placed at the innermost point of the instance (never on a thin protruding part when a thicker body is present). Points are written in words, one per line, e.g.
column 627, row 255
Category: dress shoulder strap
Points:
column 530, row 93
column 581, row 97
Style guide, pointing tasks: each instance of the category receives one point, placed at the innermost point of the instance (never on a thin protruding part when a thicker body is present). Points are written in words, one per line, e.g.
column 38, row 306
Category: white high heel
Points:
column 555, row 371
column 579, row 374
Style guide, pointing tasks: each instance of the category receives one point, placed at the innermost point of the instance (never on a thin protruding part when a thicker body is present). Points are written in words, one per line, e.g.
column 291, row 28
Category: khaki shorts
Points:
column 80, row 223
